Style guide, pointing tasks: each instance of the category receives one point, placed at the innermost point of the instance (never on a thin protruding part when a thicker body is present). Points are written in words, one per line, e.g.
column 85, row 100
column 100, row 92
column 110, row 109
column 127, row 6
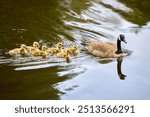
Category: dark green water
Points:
column 86, row 76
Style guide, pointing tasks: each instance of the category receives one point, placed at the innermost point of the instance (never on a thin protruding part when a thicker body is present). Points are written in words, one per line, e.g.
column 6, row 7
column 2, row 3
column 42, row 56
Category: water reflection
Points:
column 26, row 22
column 119, row 69
column 50, row 21
column 135, row 12
column 35, row 83
column 119, row 66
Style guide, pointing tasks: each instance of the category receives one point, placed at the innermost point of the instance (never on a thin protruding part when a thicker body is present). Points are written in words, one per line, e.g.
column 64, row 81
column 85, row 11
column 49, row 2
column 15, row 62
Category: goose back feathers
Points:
column 106, row 49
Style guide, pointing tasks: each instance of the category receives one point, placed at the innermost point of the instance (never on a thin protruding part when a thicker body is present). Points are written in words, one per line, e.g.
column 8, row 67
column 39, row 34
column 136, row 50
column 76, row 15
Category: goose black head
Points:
column 122, row 38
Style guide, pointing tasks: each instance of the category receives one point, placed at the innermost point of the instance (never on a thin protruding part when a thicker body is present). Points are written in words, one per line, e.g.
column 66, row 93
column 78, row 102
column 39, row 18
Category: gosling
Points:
column 55, row 50
column 64, row 54
column 23, row 50
column 73, row 50
column 44, row 52
column 31, row 48
column 35, row 50
column 17, row 51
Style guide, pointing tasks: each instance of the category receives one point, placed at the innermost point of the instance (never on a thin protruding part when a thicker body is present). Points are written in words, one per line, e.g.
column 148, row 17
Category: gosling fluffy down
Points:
column 31, row 48
column 44, row 52
column 22, row 50
column 56, row 50
column 63, row 54
column 35, row 51
column 14, row 52
column 73, row 50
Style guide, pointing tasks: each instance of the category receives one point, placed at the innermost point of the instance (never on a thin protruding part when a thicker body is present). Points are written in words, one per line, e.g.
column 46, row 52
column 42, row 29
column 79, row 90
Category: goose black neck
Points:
column 119, row 50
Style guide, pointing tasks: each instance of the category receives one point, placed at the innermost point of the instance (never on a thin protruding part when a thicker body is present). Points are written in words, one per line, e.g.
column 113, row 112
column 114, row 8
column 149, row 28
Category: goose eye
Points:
column 122, row 37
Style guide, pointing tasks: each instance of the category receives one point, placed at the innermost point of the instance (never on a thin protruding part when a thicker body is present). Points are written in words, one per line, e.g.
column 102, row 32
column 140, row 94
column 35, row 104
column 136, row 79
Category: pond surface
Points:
column 69, row 21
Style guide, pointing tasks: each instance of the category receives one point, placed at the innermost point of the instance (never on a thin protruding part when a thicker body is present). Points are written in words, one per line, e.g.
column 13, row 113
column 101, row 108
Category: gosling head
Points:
column 122, row 38
column 59, row 45
column 36, row 44
column 68, row 52
column 75, row 47
column 44, row 48
column 23, row 46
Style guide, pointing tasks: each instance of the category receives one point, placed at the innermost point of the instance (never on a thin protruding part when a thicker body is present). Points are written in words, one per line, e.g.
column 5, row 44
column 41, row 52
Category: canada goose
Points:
column 106, row 49
column 73, row 50
column 16, row 51
column 44, row 52
column 55, row 50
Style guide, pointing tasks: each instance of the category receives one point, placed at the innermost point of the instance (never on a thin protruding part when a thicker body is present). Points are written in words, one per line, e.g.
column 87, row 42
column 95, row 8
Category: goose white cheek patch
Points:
column 119, row 38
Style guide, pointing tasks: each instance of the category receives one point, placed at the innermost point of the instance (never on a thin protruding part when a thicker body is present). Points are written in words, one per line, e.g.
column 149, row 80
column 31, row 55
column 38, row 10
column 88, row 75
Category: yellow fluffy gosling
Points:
column 23, row 50
column 31, row 48
column 64, row 55
column 55, row 50
column 35, row 51
column 17, row 51
column 44, row 52
column 73, row 50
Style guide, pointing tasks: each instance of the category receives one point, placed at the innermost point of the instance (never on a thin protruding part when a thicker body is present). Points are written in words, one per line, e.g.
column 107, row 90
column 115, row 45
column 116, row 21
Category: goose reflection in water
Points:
column 119, row 70
column 119, row 66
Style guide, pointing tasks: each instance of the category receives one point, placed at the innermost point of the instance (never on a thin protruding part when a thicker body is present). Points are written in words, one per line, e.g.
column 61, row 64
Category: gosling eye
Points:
column 75, row 47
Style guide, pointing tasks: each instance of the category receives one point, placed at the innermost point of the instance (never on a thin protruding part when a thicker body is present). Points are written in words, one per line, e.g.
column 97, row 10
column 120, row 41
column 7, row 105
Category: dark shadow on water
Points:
column 119, row 69
column 106, row 61
column 119, row 66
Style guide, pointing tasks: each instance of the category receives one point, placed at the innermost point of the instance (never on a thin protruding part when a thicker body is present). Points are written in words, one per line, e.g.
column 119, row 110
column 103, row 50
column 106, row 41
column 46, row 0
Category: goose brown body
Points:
column 103, row 49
